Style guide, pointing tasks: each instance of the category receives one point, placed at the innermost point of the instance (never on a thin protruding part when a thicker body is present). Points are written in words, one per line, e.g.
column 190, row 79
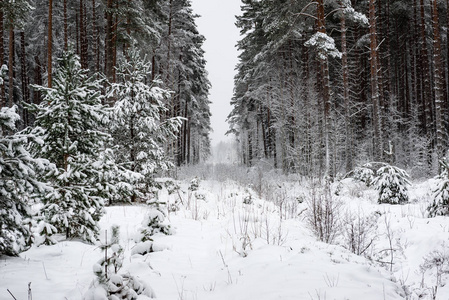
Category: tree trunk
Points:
column 25, row 92
column 345, row 70
column 83, row 37
column 374, row 68
column 108, row 55
column 427, row 93
column 50, row 42
column 38, row 71
column 11, row 66
column 439, row 82
column 96, row 38
column 66, row 34
column 324, row 65
column 2, row 60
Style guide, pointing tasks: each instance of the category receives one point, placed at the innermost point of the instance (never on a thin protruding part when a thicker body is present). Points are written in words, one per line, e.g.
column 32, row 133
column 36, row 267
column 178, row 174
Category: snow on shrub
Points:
column 109, row 284
column 440, row 204
column 392, row 184
column 364, row 174
column 154, row 223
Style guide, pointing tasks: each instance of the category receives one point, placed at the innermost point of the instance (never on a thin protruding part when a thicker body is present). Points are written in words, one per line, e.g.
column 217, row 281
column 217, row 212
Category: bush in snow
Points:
column 364, row 174
column 323, row 214
column 194, row 184
column 154, row 223
column 173, row 187
column 18, row 182
column 392, row 184
column 109, row 284
column 359, row 231
column 440, row 204
column 435, row 269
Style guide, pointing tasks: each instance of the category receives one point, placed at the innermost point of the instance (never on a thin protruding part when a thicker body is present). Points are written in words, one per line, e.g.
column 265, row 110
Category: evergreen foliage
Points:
column 154, row 223
column 19, row 181
column 138, row 125
column 440, row 204
column 109, row 284
column 69, row 121
column 392, row 184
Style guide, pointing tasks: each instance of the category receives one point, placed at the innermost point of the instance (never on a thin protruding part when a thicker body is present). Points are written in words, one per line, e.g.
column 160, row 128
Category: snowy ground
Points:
column 224, row 249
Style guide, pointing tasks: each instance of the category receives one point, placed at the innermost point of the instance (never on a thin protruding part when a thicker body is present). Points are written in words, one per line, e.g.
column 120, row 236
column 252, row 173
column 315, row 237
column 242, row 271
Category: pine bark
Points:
column 374, row 68
column 11, row 66
column 50, row 43
column 345, row 71
column 439, row 81
column 2, row 60
column 109, row 49
column 66, row 33
column 427, row 93
column 24, row 77
column 324, row 65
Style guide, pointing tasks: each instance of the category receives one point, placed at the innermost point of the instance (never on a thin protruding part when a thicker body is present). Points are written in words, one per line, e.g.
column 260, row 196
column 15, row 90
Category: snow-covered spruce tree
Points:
column 139, row 127
column 440, row 204
column 108, row 283
column 69, row 122
column 364, row 174
column 154, row 223
column 18, row 181
column 392, row 184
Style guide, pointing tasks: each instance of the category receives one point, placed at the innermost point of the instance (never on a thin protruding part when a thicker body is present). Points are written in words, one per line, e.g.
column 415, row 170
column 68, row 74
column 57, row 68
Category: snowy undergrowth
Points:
column 249, row 239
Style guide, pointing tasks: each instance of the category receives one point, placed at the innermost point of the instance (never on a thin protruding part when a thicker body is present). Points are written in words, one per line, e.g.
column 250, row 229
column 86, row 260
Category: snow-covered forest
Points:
column 335, row 186
column 323, row 86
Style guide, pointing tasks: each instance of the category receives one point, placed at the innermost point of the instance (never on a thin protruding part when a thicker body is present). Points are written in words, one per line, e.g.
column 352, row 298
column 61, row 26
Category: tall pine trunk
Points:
column 50, row 42
column 439, row 81
column 2, row 60
column 11, row 66
column 374, row 68
column 326, row 94
column 66, row 33
column 345, row 70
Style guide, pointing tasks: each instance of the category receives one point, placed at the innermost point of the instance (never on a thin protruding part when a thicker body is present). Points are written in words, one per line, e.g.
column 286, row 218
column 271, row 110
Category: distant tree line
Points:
column 324, row 86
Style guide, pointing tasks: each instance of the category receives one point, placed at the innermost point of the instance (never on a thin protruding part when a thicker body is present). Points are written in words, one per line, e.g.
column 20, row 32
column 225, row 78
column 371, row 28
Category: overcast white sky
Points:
column 217, row 25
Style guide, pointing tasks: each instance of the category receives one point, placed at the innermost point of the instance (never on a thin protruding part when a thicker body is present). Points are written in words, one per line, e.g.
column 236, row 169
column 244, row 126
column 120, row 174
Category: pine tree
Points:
column 392, row 184
column 139, row 126
column 440, row 204
column 18, row 182
column 109, row 283
column 69, row 122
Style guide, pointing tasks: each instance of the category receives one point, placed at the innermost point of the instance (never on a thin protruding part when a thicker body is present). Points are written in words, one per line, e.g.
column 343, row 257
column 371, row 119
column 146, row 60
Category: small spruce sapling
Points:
column 392, row 184
column 364, row 174
column 440, row 204
column 109, row 284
